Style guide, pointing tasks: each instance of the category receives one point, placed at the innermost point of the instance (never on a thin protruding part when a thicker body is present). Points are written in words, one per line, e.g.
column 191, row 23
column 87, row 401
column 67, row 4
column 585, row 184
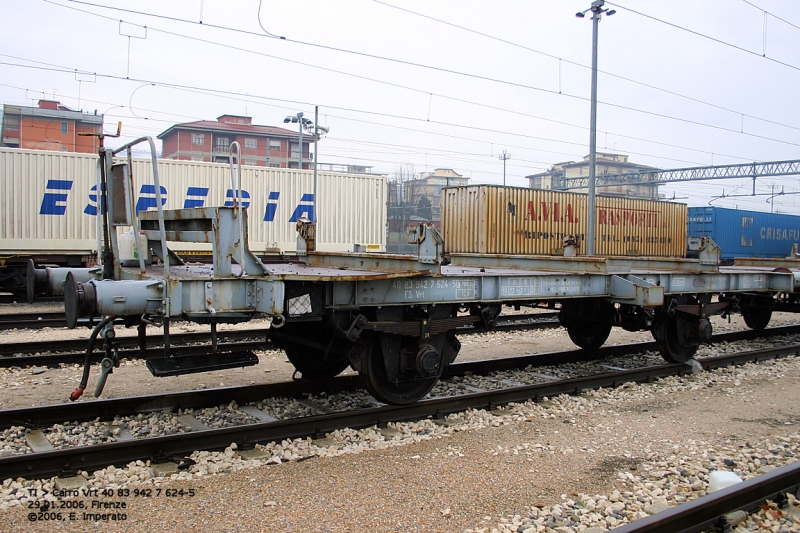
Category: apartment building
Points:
column 208, row 140
column 50, row 126
column 607, row 164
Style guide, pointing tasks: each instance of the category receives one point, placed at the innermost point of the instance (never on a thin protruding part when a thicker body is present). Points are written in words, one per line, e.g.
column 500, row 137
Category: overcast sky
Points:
column 438, row 83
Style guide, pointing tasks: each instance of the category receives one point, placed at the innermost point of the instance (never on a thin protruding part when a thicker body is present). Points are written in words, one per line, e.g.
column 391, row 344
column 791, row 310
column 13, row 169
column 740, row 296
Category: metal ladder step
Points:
column 177, row 366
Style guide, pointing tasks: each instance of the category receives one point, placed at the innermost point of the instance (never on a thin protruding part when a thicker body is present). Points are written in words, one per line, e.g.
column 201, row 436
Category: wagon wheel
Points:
column 588, row 335
column 757, row 313
column 407, row 388
column 302, row 343
column 670, row 346
column 311, row 363
column 588, row 323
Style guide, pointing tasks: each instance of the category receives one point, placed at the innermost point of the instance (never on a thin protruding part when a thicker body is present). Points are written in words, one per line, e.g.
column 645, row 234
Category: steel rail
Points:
column 59, row 320
column 68, row 461
column 107, row 408
column 79, row 345
column 56, row 360
column 707, row 511
column 41, row 321
column 42, row 416
column 77, row 356
column 33, row 320
column 7, row 298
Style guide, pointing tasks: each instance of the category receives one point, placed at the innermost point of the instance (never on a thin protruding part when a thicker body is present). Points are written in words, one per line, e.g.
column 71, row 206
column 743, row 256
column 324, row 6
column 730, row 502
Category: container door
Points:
column 747, row 231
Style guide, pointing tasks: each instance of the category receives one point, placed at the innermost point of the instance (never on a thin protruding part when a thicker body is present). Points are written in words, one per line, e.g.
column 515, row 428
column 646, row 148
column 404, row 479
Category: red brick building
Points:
column 51, row 126
column 206, row 140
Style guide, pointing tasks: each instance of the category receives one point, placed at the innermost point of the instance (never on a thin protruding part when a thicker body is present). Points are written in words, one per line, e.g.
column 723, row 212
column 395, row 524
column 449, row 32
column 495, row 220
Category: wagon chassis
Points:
column 392, row 318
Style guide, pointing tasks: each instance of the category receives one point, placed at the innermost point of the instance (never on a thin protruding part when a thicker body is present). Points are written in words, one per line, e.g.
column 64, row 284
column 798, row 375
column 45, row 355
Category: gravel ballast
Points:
column 566, row 464
column 584, row 463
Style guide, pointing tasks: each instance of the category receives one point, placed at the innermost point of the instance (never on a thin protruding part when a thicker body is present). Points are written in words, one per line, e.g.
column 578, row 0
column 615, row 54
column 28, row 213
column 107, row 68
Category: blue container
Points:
column 746, row 233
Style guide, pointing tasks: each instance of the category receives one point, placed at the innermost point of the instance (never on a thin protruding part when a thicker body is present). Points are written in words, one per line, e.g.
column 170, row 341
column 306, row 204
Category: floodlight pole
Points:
column 590, row 230
column 316, row 159
column 300, row 151
column 597, row 11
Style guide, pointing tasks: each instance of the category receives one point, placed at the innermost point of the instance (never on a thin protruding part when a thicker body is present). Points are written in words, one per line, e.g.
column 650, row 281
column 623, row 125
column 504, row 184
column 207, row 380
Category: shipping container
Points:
column 492, row 219
column 49, row 203
column 742, row 233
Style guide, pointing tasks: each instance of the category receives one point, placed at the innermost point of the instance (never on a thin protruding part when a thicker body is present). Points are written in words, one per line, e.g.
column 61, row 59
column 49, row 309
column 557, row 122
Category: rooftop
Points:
column 233, row 124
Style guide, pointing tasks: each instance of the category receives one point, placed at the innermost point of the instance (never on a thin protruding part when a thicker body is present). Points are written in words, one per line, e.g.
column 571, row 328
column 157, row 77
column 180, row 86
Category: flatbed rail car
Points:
column 393, row 318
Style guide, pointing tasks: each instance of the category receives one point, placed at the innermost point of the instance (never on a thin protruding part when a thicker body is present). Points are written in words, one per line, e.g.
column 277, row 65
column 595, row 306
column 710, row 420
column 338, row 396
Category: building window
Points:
column 250, row 143
column 198, row 138
column 64, row 149
column 275, row 165
column 274, row 145
column 64, row 128
column 222, row 144
column 251, row 162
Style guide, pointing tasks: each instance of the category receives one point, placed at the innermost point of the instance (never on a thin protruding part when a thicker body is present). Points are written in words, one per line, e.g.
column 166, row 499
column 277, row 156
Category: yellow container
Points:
column 506, row 220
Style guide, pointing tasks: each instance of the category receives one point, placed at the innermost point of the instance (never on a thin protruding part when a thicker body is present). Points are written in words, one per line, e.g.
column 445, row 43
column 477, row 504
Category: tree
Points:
column 400, row 205
column 424, row 208
column 400, row 194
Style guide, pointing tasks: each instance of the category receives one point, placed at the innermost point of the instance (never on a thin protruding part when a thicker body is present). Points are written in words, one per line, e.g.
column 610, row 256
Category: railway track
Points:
column 52, row 354
column 707, row 513
column 36, row 321
column 71, row 351
column 7, row 298
column 475, row 391
column 58, row 320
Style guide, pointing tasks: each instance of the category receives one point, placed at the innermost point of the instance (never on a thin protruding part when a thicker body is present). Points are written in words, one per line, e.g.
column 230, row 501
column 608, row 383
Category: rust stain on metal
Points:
column 299, row 276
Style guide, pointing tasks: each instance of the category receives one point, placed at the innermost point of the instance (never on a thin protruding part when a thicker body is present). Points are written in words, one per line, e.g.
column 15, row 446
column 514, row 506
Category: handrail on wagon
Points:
column 99, row 185
column 99, row 194
column 236, row 191
column 137, row 227
column 159, row 207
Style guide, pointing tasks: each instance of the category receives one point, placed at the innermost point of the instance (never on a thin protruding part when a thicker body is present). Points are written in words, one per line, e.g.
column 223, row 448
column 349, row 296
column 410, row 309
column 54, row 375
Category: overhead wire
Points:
column 704, row 36
column 253, row 98
column 577, row 64
column 410, row 63
column 334, row 116
column 773, row 15
column 580, row 144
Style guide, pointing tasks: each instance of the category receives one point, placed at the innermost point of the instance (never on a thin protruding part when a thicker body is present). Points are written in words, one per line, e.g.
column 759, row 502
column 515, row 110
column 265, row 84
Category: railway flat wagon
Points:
column 49, row 207
column 393, row 318
column 486, row 219
column 741, row 233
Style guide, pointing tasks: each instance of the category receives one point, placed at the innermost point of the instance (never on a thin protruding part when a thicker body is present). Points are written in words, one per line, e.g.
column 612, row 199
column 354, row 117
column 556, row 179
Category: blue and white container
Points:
column 746, row 233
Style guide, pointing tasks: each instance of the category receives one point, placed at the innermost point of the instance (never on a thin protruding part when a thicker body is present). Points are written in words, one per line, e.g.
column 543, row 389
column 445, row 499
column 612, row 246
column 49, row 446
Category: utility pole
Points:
column 316, row 138
column 300, row 151
column 597, row 11
column 504, row 157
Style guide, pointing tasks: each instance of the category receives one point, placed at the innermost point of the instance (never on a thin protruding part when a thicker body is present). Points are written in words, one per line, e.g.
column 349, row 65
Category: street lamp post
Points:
column 302, row 123
column 315, row 130
column 597, row 11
